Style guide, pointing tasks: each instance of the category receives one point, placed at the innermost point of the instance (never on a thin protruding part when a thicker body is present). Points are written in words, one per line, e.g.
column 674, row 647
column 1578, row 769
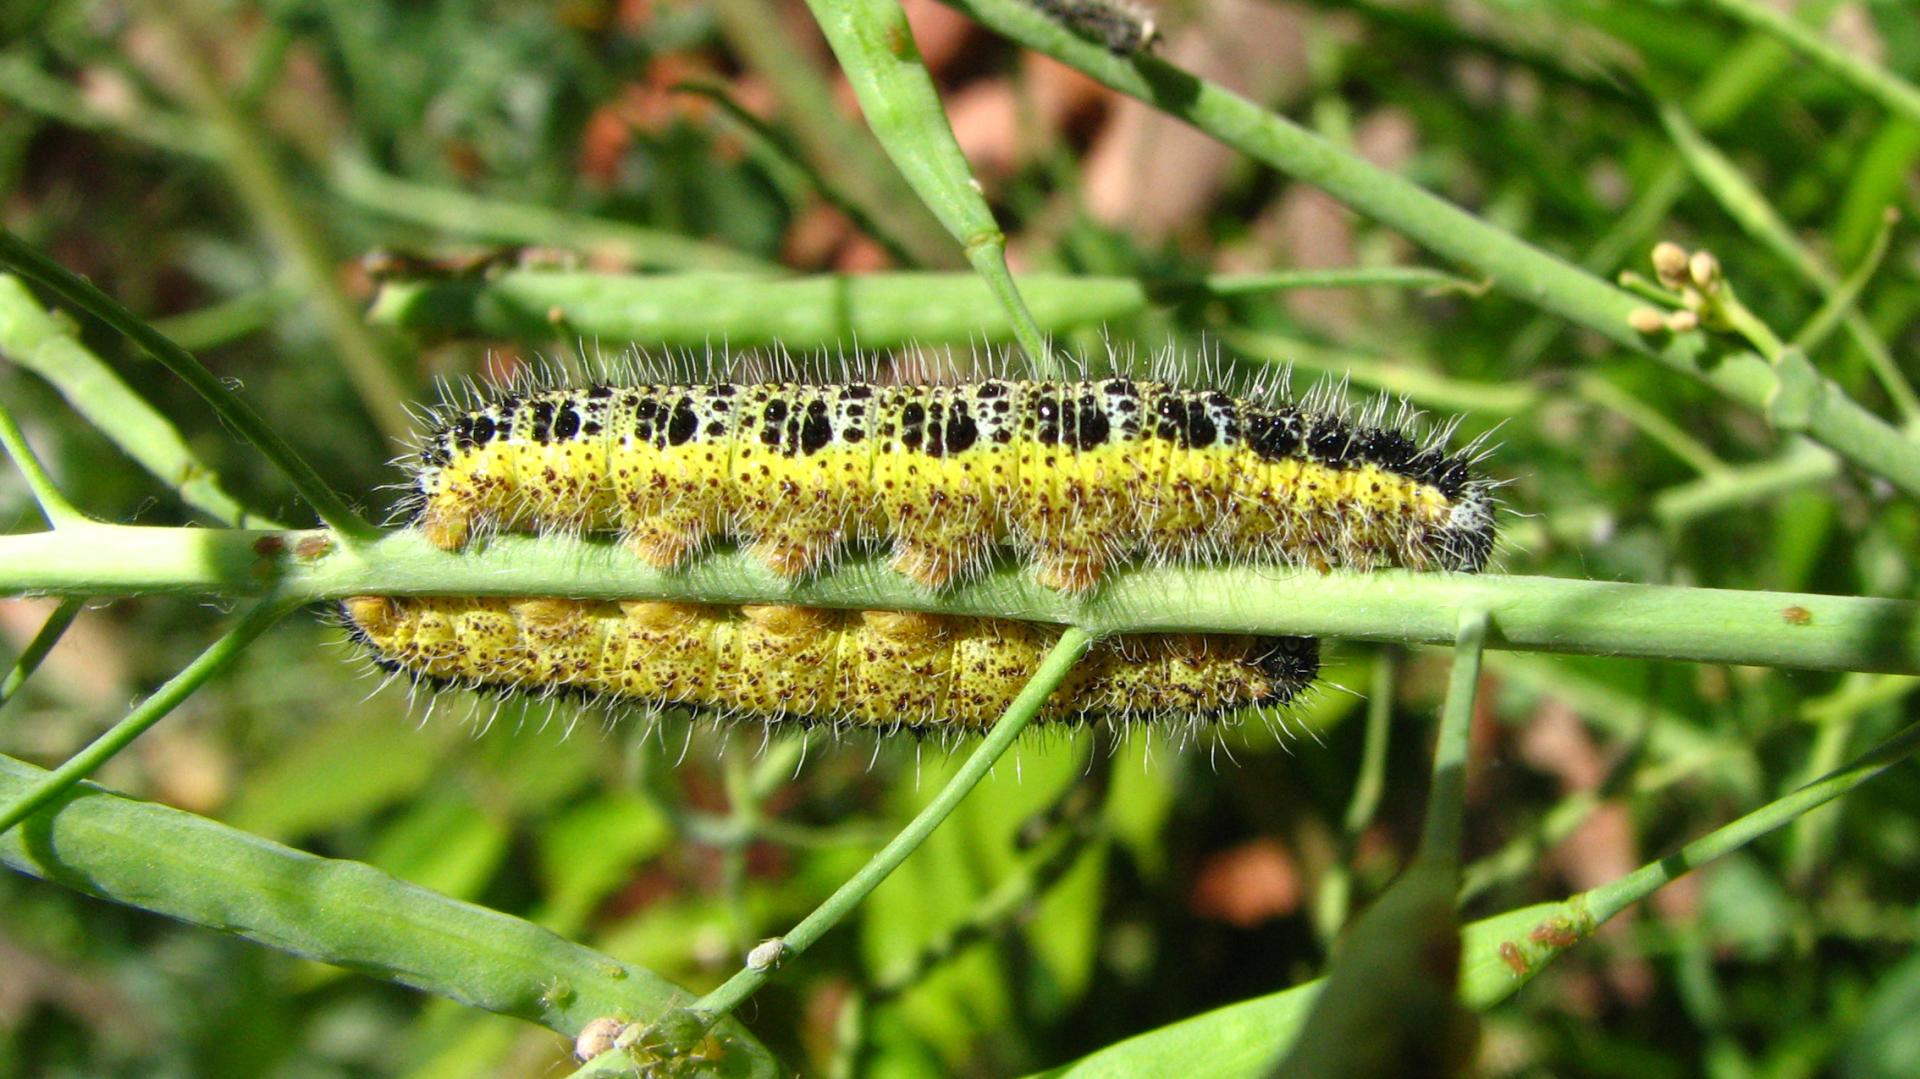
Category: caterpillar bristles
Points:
column 948, row 471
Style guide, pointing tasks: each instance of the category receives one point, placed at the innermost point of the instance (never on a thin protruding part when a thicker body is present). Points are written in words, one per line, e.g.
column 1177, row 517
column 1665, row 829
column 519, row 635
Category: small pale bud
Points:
column 1683, row 322
column 1670, row 264
column 1646, row 320
column 1705, row 271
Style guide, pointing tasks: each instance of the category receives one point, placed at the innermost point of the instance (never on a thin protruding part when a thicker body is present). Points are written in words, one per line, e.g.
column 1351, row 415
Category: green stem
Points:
column 1335, row 901
column 1801, row 464
column 835, row 145
column 59, row 512
column 50, row 633
column 1749, row 208
column 1780, row 629
column 150, row 711
column 1896, row 94
column 1053, row 670
column 1610, row 898
column 293, row 229
column 1511, row 263
column 238, row 414
column 1446, row 802
column 1350, row 277
column 1650, row 422
column 33, row 338
column 461, row 214
column 875, row 47
column 1844, row 299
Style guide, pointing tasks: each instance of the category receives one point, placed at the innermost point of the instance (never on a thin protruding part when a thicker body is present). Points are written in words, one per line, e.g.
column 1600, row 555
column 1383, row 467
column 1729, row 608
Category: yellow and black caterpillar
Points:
column 1074, row 476
column 879, row 669
column 1070, row 476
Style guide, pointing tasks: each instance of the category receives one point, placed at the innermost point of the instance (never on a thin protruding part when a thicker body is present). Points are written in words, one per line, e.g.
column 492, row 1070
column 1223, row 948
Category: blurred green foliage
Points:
column 1203, row 878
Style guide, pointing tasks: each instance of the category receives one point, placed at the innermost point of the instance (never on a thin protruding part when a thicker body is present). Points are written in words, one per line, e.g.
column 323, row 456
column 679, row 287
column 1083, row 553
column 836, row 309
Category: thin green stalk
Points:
column 1801, row 464
column 1335, row 901
column 1845, row 298
column 1000, row 909
column 229, row 320
column 1499, row 954
column 36, row 650
column 1420, row 385
column 778, row 155
column 1669, row 435
column 834, row 144
column 824, row 312
column 1894, row 93
column 818, row 312
column 1390, row 1006
column 237, row 414
column 33, row 338
column 461, row 214
column 1749, row 208
column 1447, row 800
column 59, row 512
column 876, row 50
column 1249, row 284
column 1611, row 898
column 1053, row 670
column 150, row 711
column 292, row 229
column 331, row 910
column 1511, row 263
column 1780, row 629
column 26, row 85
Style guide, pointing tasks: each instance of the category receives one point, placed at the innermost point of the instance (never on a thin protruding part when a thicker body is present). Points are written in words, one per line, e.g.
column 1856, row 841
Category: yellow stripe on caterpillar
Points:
column 878, row 669
column 1075, row 476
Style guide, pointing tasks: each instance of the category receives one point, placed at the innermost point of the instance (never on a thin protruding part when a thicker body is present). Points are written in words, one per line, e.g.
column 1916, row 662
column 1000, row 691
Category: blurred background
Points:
column 251, row 175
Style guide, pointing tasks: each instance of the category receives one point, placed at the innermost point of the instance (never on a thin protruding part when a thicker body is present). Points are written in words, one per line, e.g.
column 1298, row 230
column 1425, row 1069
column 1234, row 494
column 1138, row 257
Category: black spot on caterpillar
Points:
column 1074, row 476
column 877, row 669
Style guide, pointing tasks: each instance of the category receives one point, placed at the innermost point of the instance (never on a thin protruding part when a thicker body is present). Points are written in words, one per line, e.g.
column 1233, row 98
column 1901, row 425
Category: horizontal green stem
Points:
column 340, row 912
column 1510, row 263
column 888, row 310
column 1782, row 629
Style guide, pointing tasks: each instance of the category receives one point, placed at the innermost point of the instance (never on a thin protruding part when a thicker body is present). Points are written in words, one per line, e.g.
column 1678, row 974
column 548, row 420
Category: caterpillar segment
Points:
column 1074, row 476
column 875, row 669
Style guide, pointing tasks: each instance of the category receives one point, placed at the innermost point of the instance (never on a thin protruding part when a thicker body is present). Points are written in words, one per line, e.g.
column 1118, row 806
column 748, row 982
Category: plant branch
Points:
column 238, row 414
column 1053, row 670
column 1896, row 94
column 150, row 711
column 54, row 506
column 876, row 50
column 1511, row 263
column 36, row 650
column 1782, row 629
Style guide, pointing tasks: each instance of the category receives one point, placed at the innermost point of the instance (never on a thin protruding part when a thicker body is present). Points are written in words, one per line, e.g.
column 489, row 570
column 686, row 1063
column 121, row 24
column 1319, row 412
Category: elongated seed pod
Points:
column 1072, row 475
column 854, row 668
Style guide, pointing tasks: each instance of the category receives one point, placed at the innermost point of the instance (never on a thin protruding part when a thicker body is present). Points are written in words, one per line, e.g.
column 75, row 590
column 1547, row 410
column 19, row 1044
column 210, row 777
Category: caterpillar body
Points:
column 1075, row 476
column 877, row 669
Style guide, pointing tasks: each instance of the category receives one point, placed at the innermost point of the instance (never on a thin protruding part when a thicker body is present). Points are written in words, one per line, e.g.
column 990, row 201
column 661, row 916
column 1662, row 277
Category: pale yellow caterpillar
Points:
column 877, row 669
